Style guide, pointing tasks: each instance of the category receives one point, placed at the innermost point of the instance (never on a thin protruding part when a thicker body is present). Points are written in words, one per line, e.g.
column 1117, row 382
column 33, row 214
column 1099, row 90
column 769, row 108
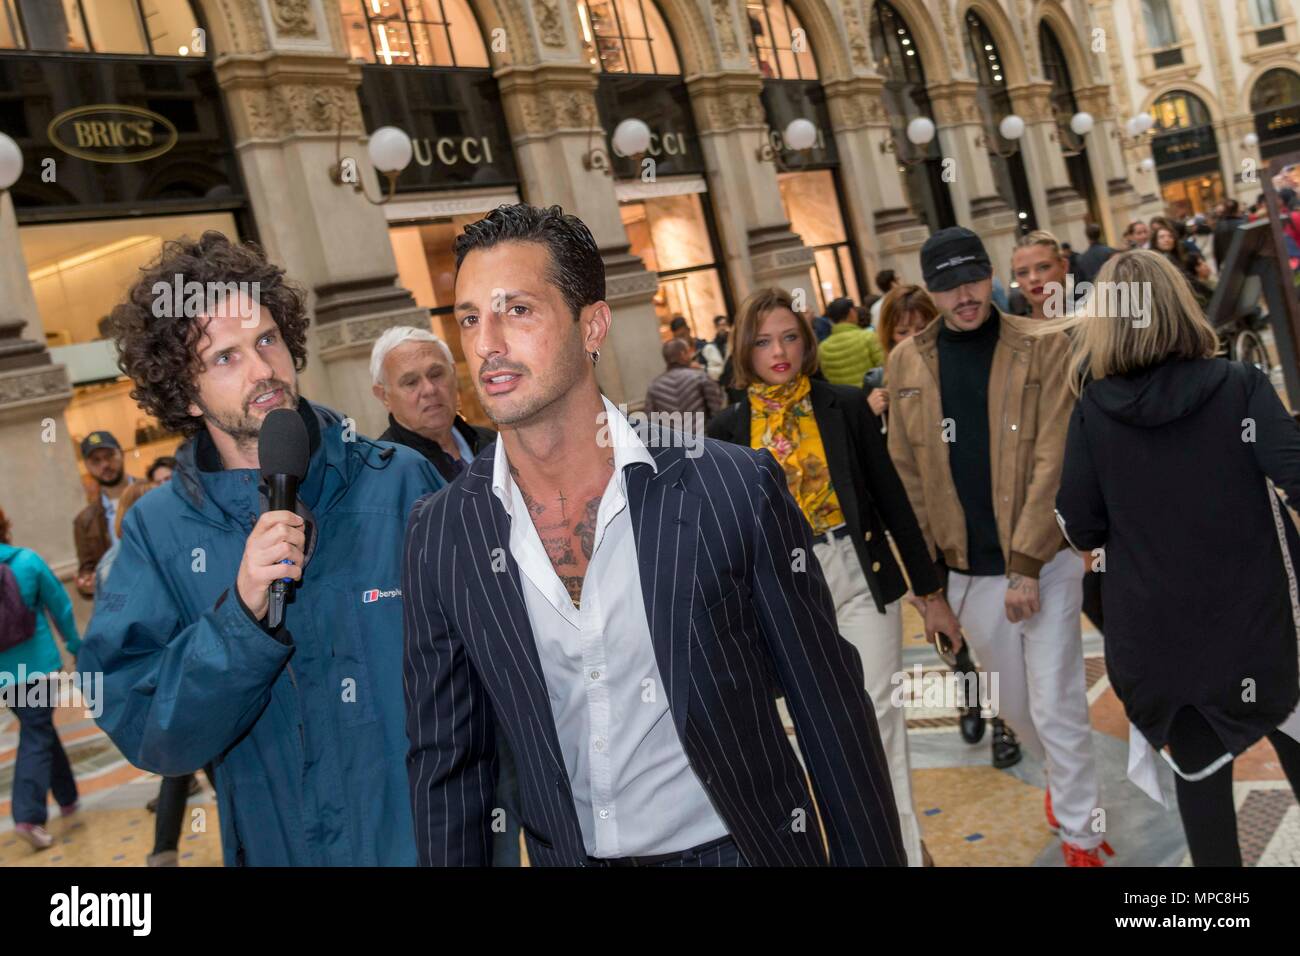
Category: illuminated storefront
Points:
column 1186, row 152
column 663, row 194
column 126, row 145
column 809, row 179
column 426, row 72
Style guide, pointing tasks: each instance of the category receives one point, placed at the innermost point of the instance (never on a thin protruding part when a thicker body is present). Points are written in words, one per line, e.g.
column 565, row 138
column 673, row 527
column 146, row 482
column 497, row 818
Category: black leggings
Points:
column 1209, row 816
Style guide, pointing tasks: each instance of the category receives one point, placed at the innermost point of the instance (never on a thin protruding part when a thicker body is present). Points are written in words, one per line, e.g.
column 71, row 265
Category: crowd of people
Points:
column 577, row 631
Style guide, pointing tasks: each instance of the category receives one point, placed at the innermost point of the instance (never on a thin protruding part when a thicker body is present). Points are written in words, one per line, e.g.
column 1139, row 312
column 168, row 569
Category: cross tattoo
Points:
column 562, row 501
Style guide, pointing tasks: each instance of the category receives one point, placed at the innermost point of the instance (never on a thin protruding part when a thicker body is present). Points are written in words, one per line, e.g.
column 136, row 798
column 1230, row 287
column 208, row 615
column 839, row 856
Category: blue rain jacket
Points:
column 304, row 728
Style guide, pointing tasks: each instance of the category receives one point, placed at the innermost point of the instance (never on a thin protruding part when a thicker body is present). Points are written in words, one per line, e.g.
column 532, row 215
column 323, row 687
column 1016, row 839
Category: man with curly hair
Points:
column 302, row 724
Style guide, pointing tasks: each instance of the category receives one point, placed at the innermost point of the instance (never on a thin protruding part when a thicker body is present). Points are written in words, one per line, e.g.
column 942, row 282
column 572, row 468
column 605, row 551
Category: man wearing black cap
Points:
column 93, row 529
column 980, row 408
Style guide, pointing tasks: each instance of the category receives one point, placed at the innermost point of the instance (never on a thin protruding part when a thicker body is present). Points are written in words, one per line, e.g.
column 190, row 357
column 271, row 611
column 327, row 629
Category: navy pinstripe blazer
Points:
column 735, row 600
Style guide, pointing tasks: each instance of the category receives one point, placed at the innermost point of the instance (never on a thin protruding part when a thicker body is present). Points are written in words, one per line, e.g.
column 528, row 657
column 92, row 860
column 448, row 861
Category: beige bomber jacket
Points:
column 1029, row 411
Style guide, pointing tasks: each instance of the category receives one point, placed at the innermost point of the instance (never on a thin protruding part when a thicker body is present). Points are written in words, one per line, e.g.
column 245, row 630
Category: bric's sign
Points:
column 108, row 133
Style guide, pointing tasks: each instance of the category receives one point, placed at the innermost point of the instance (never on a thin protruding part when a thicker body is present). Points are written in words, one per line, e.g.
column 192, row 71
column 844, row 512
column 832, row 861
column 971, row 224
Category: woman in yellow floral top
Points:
column 839, row 471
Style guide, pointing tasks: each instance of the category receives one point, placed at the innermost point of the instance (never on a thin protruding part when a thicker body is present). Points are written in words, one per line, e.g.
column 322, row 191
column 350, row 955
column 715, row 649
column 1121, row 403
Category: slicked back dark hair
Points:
column 577, row 269
column 160, row 355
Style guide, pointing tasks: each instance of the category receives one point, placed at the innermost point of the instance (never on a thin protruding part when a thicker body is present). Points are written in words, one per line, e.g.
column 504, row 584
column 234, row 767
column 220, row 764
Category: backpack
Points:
column 17, row 620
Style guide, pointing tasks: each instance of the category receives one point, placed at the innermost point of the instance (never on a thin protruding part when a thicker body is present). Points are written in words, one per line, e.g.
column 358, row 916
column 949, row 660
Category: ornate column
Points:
column 890, row 234
column 759, row 248
column 1060, row 207
column 290, row 94
column 1111, row 86
column 551, row 111
column 1119, row 198
column 975, row 198
column 39, row 487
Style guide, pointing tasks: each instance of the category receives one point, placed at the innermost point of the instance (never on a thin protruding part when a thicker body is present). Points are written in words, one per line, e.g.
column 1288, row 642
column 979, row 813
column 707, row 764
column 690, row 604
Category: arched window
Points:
column 1274, row 90
column 985, row 61
column 627, row 36
column 1179, row 110
column 781, row 49
column 414, row 32
column 906, row 98
column 1275, row 101
column 150, row 27
column 1064, row 105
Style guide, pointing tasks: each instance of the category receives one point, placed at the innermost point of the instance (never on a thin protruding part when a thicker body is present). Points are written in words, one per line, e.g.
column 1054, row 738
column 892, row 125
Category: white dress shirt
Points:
column 633, row 788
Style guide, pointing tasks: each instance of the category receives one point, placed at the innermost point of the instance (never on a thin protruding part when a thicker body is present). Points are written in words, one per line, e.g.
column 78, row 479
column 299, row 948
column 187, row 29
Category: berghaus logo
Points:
column 374, row 594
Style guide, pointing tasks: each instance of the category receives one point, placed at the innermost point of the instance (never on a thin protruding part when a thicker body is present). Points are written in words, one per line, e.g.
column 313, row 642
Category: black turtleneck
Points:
column 965, row 361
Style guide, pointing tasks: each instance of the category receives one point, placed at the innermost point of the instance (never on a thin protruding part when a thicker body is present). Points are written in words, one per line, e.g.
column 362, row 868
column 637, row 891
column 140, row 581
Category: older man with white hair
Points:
column 414, row 375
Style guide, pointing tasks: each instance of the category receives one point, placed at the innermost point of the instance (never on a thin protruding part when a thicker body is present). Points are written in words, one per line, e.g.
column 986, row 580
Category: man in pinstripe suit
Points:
column 620, row 609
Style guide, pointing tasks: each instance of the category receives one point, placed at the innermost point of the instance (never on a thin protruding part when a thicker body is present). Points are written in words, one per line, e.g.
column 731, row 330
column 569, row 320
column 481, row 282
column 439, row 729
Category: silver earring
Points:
column 595, row 356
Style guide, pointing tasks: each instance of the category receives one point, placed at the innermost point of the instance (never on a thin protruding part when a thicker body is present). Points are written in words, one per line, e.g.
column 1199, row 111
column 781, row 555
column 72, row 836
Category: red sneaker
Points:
column 1078, row 856
column 1053, row 824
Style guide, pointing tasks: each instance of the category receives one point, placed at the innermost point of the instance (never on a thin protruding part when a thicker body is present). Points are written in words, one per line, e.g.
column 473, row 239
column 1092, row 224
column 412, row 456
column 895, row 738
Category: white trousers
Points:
column 1042, row 690
column 878, row 639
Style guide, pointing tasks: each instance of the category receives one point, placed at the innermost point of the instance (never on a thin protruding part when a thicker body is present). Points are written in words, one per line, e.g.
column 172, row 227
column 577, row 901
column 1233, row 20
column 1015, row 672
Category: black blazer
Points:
column 870, row 493
column 729, row 605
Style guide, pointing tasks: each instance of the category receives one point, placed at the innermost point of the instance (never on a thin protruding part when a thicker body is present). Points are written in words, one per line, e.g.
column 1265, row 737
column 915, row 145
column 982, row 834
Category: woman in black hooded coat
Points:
column 1170, row 466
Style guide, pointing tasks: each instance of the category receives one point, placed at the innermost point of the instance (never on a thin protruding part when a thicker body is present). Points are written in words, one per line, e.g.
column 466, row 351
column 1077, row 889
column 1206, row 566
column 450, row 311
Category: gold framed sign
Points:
column 109, row 133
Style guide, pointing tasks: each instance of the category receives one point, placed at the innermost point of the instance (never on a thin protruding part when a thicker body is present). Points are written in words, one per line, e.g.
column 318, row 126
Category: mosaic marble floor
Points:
column 970, row 813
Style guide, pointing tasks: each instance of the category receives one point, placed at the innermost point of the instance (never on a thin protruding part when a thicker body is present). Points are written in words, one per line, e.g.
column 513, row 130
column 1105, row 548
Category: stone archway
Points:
column 695, row 45
column 837, row 49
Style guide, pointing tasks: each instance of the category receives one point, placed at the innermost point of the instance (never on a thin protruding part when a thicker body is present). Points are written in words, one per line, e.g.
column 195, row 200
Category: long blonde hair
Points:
column 1141, row 312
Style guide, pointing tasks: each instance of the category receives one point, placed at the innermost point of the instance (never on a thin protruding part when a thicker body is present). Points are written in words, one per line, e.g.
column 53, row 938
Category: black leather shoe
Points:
column 1006, row 748
column 972, row 725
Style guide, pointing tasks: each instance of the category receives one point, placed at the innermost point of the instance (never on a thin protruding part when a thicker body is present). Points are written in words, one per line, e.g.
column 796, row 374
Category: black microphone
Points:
column 283, row 451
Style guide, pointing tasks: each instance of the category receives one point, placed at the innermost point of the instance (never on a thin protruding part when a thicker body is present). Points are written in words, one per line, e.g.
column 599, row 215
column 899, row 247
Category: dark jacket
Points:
column 683, row 389
column 870, row 493
column 1166, row 470
column 715, row 529
column 1091, row 261
column 1224, row 230
column 304, row 726
column 477, row 438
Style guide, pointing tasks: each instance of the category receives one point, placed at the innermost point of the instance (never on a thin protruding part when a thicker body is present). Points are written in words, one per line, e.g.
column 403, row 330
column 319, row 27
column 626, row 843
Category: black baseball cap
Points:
column 98, row 440
column 953, row 257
